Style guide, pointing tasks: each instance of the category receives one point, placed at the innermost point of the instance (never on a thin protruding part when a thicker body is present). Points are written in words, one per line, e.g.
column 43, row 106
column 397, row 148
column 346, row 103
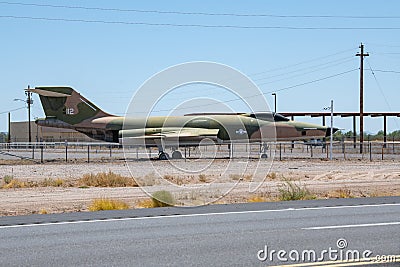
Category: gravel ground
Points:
column 221, row 183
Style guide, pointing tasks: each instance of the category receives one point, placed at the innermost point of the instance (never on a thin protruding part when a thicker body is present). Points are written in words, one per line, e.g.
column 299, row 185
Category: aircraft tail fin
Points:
column 67, row 105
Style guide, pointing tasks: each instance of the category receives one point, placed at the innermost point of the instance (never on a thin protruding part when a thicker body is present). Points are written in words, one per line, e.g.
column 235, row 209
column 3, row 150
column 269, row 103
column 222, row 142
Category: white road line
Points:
column 350, row 226
column 195, row 215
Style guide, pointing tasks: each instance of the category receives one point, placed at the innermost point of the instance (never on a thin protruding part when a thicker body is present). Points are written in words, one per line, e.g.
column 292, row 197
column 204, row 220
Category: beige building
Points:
column 19, row 133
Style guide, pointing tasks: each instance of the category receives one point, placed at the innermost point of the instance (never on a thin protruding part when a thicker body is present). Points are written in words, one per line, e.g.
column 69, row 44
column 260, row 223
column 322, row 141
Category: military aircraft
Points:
column 66, row 108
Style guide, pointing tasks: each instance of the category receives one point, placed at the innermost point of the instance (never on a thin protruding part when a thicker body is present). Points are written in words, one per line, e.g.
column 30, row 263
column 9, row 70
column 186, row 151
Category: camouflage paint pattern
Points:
column 66, row 108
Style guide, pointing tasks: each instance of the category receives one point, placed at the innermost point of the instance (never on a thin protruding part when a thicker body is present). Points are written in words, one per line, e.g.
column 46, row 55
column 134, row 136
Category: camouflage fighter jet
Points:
column 66, row 108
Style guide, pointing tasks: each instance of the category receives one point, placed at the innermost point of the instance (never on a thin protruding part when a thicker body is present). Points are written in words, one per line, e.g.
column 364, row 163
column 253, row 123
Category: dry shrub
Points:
column 271, row 176
column 236, row 177
column 173, row 179
column 289, row 190
column 203, row 178
column 162, row 198
column 15, row 183
column 107, row 204
column 341, row 193
column 42, row 211
column 51, row 182
column 248, row 177
column 7, row 179
column 106, row 179
column 145, row 203
column 256, row 199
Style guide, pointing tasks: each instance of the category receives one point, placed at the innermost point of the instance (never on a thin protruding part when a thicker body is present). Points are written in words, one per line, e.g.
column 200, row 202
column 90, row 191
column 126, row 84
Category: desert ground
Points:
column 230, row 180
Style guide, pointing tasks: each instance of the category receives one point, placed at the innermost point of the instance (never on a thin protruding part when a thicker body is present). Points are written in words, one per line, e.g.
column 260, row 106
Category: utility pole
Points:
column 331, row 133
column 9, row 128
column 29, row 102
column 361, row 55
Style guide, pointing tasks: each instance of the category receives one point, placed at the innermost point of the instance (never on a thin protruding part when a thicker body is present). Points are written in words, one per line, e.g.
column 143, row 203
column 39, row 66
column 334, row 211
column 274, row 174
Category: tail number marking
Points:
column 69, row 111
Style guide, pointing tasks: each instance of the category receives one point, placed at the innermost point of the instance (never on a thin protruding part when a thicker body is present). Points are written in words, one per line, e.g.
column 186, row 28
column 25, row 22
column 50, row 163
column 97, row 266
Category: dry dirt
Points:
column 338, row 178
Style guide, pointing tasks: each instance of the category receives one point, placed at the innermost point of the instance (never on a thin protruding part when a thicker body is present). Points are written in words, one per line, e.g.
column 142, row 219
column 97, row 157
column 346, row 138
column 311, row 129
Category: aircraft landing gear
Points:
column 163, row 156
column 264, row 149
column 177, row 155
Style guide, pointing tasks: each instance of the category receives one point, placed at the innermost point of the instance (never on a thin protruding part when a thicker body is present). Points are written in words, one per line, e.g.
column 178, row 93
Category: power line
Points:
column 197, row 13
column 303, row 62
column 313, row 81
column 195, row 25
column 4, row 112
column 313, row 68
column 260, row 94
column 388, row 71
column 380, row 88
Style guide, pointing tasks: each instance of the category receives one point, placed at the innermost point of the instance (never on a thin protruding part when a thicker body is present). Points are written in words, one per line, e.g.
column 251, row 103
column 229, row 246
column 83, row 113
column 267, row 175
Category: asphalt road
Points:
column 221, row 235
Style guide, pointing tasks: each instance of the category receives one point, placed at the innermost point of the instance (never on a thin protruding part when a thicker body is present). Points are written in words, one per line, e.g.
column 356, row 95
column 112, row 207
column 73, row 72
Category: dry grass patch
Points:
column 236, row 177
column 106, row 179
column 253, row 199
column 145, row 203
column 107, row 204
column 52, row 182
column 43, row 211
column 203, row 178
column 174, row 179
column 271, row 176
column 15, row 183
column 289, row 190
column 341, row 193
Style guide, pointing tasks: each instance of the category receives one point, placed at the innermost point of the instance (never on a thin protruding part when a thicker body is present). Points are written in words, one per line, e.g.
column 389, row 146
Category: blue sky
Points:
column 107, row 62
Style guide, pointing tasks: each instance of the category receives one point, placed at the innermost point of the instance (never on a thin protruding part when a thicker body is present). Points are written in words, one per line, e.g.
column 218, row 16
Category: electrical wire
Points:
column 195, row 25
column 380, row 89
column 197, row 13
column 379, row 86
column 388, row 71
column 303, row 62
column 11, row 110
column 313, row 68
column 260, row 94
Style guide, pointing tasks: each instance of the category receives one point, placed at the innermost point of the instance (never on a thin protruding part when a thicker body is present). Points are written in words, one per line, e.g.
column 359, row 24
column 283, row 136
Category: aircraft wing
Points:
column 168, row 134
column 188, row 132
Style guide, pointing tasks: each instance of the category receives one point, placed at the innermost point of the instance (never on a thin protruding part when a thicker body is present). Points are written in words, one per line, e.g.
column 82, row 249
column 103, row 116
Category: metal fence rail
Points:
column 68, row 152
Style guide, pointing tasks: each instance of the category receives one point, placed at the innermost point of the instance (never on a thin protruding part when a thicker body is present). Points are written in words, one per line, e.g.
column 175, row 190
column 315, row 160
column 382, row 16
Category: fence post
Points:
column 344, row 150
column 280, row 151
column 66, row 151
column 327, row 151
column 41, row 153
column 370, row 152
column 343, row 144
column 88, row 153
column 393, row 144
column 382, row 152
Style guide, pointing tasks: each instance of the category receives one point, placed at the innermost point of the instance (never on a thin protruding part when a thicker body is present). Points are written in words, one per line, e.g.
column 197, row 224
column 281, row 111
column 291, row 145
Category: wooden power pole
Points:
column 9, row 128
column 29, row 102
column 361, row 55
